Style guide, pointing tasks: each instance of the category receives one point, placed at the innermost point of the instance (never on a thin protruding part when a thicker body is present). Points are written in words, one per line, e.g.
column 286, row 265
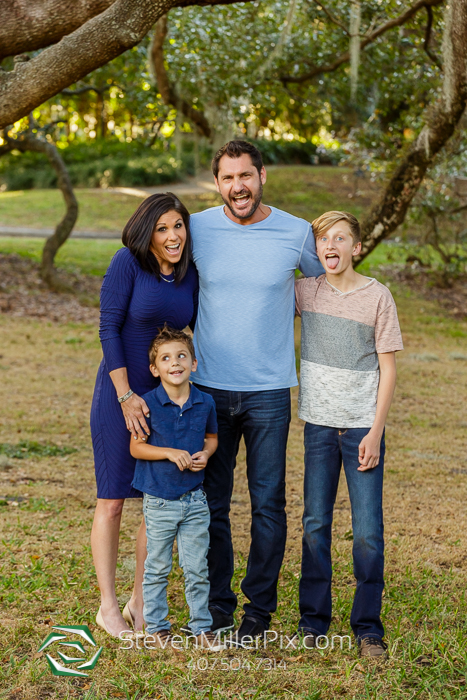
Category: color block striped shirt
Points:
column 342, row 334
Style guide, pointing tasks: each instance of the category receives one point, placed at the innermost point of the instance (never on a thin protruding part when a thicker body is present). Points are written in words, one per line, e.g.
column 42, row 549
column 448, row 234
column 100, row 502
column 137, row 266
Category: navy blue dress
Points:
column 134, row 304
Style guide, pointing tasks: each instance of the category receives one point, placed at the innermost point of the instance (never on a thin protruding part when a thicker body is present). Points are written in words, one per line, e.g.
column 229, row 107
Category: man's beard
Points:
column 254, row 205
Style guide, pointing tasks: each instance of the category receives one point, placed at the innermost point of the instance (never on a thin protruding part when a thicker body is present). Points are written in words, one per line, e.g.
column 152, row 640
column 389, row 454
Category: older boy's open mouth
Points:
column 332, row 260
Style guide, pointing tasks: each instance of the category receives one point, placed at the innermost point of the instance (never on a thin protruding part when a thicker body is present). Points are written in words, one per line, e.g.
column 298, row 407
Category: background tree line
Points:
column 380, row 85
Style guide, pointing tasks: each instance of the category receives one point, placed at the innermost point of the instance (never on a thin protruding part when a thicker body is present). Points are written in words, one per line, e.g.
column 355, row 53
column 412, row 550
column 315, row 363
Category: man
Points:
column 246, row 254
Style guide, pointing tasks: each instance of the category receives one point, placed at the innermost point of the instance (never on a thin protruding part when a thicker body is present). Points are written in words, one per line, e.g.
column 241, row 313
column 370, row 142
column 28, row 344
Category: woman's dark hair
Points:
column 137, row 233
column 235, row 149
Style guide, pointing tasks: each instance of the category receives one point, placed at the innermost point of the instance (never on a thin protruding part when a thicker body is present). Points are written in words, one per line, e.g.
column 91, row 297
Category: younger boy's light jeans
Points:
column 186, row 519
column 325, row 451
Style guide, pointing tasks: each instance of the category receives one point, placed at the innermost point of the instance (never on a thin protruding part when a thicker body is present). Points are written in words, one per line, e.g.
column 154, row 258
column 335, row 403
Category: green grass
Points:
column 46, row 509
column 318, row 189
column 88, row 256
column 98, row 210
column 305, row 191
column 47, row 497
column 92, row 256
column 25, row 449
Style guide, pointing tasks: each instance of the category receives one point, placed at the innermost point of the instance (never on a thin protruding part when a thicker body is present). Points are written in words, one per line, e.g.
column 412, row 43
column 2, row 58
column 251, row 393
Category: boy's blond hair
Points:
column 170, row 335
column 324, row 222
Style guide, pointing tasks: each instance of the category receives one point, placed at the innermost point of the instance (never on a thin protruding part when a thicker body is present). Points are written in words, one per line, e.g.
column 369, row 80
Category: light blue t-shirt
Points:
column 244, row 335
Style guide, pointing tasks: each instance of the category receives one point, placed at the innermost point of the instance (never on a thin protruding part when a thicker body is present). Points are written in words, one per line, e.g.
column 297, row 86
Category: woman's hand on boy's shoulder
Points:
column 135, row 411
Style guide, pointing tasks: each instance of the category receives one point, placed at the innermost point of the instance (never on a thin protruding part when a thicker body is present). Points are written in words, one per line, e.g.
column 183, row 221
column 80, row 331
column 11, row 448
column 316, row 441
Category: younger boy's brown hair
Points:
column 324, row 222
column 170, row 335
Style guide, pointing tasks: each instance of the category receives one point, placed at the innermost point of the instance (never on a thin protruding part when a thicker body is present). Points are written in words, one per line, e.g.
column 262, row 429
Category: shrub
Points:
column 111, row 163
column 295, row 152
column 100, row 164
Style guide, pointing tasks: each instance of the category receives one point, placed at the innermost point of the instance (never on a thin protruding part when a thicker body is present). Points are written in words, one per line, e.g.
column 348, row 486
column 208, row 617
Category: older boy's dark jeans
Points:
column 325, row 451
column 263, row 418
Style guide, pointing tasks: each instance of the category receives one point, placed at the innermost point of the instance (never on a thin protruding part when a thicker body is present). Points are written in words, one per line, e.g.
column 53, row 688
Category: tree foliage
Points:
column 388, row 80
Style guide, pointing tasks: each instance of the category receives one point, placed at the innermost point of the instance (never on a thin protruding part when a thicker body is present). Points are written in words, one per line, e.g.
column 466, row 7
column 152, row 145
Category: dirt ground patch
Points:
column 24, row 294
column 452, row 298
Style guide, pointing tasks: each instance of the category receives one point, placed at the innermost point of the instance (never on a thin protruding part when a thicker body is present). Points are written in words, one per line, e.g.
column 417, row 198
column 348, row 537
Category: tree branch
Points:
column 85, row 88
column 441, row 120
column 28, row 25
column 426, row 43
column 366, row 41
column 101, row 39
column 333, row 19
column 168, row 92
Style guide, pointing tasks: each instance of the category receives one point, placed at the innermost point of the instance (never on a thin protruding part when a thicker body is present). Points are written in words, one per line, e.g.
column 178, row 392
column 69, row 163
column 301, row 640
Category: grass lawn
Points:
column 85, row 255
column 302, row 190
column 47, row 499
column 98, row 210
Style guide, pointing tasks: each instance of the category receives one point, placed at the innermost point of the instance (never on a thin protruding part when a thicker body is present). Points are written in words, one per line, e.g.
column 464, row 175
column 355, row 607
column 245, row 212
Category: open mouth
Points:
column 173, row 249
column 332, row 260
column 242, row 200
column 176, row 373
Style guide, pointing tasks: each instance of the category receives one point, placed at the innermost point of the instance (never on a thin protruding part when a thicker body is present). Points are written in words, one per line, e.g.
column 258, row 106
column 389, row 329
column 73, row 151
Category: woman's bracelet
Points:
column 126, row 396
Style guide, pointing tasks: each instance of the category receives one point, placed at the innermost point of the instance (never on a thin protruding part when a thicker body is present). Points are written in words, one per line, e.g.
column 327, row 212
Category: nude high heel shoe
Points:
column 101, row 623
column 128, row 617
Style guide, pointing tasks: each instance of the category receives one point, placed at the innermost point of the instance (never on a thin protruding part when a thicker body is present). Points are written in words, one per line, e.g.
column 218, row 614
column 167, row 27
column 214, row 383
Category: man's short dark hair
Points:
column 235, row 149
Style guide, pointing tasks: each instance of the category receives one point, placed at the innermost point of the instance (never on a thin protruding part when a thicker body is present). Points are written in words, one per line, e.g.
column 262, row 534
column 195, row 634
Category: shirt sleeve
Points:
column 211, row 423
column 116, row 293
column 298, row 297
column 195, row 303
column 388, row 337
column 309, row 263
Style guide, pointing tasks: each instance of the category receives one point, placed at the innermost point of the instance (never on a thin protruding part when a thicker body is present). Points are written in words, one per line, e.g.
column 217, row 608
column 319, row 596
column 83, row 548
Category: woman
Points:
column 149, row 282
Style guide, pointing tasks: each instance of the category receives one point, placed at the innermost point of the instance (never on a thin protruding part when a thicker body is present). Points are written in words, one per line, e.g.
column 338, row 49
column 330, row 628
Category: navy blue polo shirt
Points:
column 182, row 429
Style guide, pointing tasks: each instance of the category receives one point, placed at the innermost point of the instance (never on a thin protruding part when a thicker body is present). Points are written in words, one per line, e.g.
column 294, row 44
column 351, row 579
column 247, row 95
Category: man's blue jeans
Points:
column 263, row 418
column 325, row 451
column 186, row 519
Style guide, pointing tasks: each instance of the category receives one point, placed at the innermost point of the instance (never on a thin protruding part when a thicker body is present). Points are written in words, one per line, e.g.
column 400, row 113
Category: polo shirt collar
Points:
column 194, row 397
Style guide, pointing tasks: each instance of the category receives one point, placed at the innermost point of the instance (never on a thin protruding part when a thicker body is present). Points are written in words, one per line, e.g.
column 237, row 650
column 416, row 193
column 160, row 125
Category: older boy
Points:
column 170, row 471
column 350, row 333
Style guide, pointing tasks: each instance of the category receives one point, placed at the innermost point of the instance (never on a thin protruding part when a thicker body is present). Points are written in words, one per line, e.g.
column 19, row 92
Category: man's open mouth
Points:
column 176, row 373
column 242, row 200
column 332, row 260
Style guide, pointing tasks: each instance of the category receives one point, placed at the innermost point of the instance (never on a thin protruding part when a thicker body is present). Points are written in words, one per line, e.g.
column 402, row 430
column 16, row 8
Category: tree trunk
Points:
column 65, row 226
column 28, row 142
column 441, row 121
column 168, row 92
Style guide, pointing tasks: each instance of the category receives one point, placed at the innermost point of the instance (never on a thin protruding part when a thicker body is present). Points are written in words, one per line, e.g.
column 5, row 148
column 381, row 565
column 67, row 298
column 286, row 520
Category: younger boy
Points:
column 170, row 471
column 350, row 333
